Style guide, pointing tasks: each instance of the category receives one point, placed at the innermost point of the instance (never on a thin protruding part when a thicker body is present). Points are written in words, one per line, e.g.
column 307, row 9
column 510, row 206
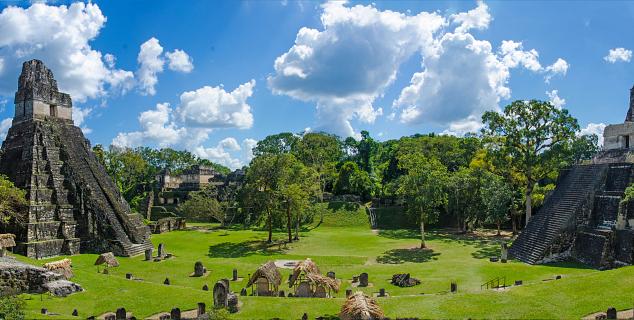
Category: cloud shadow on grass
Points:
column 415, row 255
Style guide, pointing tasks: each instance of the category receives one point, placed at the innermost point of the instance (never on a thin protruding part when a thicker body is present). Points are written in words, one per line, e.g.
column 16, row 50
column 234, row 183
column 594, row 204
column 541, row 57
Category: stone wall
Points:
column 18, row 277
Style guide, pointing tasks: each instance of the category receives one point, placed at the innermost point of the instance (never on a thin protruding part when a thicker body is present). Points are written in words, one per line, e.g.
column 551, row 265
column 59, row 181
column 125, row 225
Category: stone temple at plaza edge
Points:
column 73, row 205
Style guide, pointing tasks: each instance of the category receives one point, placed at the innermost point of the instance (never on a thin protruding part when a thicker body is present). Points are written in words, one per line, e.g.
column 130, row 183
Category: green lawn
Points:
column 347, row 250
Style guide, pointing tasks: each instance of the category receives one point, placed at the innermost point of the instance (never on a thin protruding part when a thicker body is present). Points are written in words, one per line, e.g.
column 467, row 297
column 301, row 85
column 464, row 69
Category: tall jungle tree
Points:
column 534, row 135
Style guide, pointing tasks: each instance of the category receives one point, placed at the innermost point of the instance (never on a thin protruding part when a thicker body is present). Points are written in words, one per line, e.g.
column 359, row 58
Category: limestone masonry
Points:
column 74, row 206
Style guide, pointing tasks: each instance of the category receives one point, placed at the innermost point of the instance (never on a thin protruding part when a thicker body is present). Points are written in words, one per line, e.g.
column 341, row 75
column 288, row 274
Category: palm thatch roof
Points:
column 323, row 281
column 7, row 240
column 268, row 271
column 107, row 258
column 63, row 267
column 360, row 307
column 307, row 266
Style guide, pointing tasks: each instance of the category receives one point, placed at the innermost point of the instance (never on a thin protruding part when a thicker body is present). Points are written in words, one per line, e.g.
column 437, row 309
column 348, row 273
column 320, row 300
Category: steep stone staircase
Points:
column 573, row 191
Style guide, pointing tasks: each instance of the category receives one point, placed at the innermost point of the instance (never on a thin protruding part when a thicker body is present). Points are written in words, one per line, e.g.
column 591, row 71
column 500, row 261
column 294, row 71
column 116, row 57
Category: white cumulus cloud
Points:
column 60, row 36
column 478, row 18
column 350, row 62
column 189, row 125
column 594, row 128
column 618, row 55
column 180, row 61
column 79, row 118
column 555, row 99
column 213, row 107
column 347, row 64
column 150, row 64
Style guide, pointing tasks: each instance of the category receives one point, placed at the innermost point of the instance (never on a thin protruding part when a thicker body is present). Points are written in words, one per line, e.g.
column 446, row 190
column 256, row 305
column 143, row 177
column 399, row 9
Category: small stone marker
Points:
column 611, row 313
column 382, row 292
column 243, row 292
column 148, row 254
column 363, row 280
column 518, row 282
column 44, row 311
column 493, row 259
column 221, row 294
column 205, row 287
column 128, row 276
column 199, row 269
column 91, row 318
column 348, row 293
column 232, row 303
column 290, row 295
column 75, row 313
column 161, row 250
column 167, row 281
column 175, row 314
column 331, row 274
column 557, row 277
column 281, row 294
column 121, row 314
column 235, row 275
column 201, row 309
column 454, row 287
column 305, row 316
column 504, row 252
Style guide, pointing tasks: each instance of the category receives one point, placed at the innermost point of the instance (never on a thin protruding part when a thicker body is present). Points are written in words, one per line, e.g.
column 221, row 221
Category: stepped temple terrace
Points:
column 73, row 205
column 587, row 217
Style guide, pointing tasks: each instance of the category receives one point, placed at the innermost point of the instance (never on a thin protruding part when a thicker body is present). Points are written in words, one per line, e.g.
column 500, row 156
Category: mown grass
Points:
column 343, row 243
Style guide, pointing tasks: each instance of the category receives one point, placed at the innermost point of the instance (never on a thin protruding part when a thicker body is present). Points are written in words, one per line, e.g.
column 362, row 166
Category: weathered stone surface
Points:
column 20, row 277
column 62, row 288
column 74, row 206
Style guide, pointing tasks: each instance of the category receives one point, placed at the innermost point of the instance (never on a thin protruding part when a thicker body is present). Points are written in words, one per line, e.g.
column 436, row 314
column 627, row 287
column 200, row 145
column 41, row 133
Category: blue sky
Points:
column 214, row 77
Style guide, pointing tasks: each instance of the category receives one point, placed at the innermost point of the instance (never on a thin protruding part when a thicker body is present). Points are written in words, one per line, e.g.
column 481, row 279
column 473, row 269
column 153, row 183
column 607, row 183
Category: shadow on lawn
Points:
column 416, row 255
column 243, row 249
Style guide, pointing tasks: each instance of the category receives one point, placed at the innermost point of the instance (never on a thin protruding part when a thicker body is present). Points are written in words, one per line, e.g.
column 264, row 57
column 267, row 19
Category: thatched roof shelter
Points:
column 360, row 307
column 322, row 281
column 303, row 267
column 7, row 240
column 107, row 258
column 268, row 271
column 63, row 267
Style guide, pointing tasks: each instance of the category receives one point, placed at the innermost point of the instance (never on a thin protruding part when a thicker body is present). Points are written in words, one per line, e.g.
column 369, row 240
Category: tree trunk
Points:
column 498, row 223
column 270, row 225
column 299, row 218
column 514, row 219
column 288, row 223
column 529, row 200
column 422, row 233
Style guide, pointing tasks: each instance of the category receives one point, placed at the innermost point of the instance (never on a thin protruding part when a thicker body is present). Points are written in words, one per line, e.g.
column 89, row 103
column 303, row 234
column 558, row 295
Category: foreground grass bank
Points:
column 347, row 250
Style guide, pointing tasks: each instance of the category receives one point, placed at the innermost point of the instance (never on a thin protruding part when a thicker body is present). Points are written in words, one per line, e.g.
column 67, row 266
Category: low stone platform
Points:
column 19, row 277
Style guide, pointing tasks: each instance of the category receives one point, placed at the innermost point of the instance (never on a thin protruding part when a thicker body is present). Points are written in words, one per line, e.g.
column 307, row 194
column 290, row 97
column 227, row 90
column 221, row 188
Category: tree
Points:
column 497, row 197
column 11, row 307
column 202, row 206
column 129, row 171
column 464, row 196
column 320, row 151
column 534, row 135
column 13, row 202
column 584, row 147
column 352, row 180
column 295, row 188
column 423, row 187
column 276, row 144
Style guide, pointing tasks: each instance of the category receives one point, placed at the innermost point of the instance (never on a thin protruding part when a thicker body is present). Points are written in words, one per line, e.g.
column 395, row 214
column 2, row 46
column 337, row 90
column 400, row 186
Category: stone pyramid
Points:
column 73, row 205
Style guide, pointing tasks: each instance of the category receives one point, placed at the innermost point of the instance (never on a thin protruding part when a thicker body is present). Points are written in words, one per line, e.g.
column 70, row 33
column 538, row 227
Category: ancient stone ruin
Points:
column 587, row 218
column 74, row 206
column 18, row 277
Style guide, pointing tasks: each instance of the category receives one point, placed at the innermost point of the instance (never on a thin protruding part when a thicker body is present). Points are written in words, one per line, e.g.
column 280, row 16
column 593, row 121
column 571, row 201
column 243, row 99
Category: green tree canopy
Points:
column 13, row 204
column 534, row 136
